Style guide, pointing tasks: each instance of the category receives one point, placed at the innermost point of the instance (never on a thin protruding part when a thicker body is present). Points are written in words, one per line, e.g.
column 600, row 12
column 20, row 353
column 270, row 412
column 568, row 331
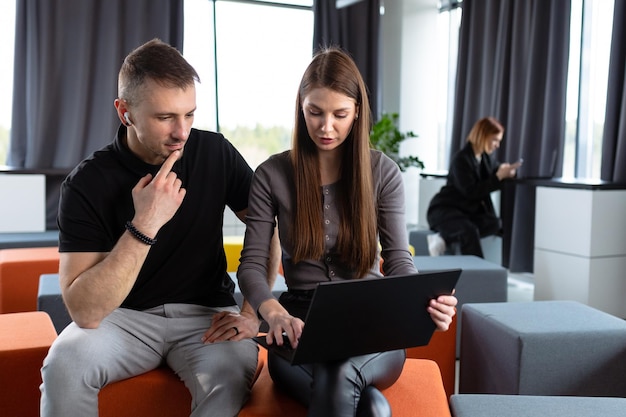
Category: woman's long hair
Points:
column 356, row 242
column 482, row 131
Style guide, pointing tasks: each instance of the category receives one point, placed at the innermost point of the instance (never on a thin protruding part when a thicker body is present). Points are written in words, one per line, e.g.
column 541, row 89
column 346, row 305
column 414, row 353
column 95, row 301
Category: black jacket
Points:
column 468, row 188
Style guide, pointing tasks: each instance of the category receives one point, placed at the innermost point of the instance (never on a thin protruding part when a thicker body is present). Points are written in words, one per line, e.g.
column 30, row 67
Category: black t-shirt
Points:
column 187, row 264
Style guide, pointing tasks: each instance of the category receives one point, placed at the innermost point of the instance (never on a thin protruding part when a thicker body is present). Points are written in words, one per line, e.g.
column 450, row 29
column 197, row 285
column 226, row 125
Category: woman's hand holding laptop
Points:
column 442, row 309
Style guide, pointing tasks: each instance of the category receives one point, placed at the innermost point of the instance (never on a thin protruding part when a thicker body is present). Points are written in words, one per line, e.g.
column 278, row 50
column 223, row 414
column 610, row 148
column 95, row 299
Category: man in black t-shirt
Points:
column 142, row 266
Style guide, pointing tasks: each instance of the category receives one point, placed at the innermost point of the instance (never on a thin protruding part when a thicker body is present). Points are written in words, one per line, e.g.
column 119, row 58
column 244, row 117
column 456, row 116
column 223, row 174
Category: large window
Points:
column 259, row 49
column 250, row 56
column 250, row 64
column 448, row 24
column 7, row 34
column 590, row 44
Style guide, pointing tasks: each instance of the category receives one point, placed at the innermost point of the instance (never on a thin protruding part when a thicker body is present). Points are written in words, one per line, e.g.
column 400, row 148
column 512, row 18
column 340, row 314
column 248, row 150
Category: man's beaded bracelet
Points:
column 138, row 235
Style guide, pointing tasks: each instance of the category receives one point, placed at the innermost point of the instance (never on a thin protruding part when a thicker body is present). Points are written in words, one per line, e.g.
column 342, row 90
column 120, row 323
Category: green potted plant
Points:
column 386, row 137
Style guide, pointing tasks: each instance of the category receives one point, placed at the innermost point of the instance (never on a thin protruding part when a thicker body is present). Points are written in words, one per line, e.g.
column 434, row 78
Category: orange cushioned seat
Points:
column 20, row 270
column 24, row 342
column 441, row 349
column 266, row 400
column 158, row 393
column 418, row 392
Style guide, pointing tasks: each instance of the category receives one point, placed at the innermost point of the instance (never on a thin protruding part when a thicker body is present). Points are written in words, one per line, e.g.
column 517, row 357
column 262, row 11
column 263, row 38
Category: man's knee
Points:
column 234, row 367
column 77, row 360
column 70, row 381
column 67, row 356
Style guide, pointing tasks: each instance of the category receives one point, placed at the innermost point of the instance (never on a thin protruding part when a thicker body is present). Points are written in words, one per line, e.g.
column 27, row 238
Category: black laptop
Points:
column 356, row 317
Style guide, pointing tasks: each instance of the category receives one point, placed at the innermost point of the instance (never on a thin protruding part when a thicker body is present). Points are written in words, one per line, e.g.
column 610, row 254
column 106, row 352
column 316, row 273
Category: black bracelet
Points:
column 137, row 234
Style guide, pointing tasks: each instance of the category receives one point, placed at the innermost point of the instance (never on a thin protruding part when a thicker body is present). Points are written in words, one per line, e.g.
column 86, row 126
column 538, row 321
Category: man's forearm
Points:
column 93, row 291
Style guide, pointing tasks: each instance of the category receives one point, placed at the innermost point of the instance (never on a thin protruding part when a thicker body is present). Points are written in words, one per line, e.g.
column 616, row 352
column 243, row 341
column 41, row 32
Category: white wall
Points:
column 409, row 69
column 23, row 203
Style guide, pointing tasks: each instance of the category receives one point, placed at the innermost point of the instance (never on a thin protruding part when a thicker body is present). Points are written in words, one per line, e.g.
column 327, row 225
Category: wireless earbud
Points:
column 128, row 122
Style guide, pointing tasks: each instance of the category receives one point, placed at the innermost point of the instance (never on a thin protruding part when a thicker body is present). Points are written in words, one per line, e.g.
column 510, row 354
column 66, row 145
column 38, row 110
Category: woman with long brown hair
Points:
column 334, row 199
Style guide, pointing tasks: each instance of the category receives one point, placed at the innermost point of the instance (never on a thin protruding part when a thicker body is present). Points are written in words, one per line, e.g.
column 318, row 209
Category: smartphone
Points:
column 518, row 163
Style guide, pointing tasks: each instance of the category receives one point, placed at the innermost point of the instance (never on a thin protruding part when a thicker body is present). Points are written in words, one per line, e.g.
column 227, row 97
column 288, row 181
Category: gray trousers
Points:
column 128, row 343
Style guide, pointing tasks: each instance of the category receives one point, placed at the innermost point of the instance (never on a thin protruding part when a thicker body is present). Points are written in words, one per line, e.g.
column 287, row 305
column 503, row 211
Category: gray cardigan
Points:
column 271, row 198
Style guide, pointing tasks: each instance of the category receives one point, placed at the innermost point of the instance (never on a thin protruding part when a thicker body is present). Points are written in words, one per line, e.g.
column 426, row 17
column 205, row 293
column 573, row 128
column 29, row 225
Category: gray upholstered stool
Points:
column 542, row 348
column 49, row 300
column 419, row 240
column 45, row 239
column 279, row 287
column 491, row 245
column 481, row 281
column 482, row 405
column 49, row 297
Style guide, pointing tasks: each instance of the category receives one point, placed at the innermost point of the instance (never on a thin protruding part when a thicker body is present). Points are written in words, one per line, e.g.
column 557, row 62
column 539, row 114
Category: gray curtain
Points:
column 356, row 29
column 67, row 56
column 512, row 64
column 614, row 138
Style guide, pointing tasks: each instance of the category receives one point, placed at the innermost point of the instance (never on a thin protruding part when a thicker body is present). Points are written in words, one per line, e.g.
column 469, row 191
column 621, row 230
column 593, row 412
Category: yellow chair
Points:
column 232, row 249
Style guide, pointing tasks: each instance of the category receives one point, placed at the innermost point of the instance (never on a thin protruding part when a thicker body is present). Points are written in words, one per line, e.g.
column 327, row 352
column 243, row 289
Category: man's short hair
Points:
column 158, row 61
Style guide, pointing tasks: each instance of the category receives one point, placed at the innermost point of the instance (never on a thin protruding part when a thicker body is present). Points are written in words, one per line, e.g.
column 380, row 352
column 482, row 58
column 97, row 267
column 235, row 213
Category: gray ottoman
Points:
column 482, row 405
column 45, row 239
column 542, row 348
column 49, row 300
column 49, row 297
column 481, row 281
column 279, row 287
column 419, row 240
column 491, row 245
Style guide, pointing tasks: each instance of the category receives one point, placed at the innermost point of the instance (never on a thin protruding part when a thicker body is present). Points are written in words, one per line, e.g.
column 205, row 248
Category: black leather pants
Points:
column 342, row 388
column 467, row 231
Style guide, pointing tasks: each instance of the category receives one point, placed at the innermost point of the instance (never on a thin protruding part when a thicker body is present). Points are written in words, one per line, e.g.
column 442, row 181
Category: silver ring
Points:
column 236, row 331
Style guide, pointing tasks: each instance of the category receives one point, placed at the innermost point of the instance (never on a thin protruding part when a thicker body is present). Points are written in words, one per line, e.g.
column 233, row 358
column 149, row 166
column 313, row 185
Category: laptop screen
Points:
column 356, row 317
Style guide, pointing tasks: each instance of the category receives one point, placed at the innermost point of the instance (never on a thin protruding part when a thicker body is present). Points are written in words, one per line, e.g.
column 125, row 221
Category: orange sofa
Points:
column 158, row 393
column 20, row 269
column 24, row 342
column 418, row 392
column 442, row 350
column 19, row 276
